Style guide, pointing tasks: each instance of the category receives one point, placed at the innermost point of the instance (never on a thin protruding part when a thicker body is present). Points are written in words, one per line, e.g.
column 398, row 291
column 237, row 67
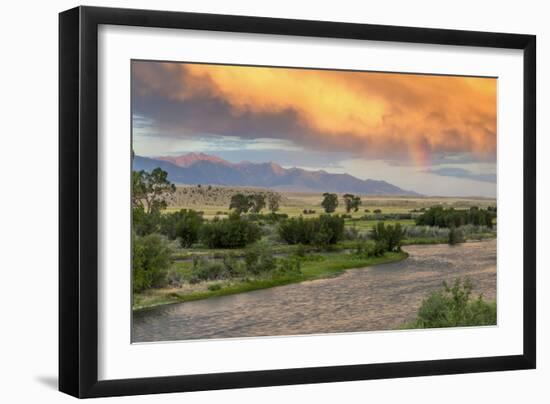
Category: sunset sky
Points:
column 431, row 134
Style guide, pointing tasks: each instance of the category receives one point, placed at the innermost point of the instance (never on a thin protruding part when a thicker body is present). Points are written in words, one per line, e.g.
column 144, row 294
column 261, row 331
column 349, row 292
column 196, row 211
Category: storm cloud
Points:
column 368, row 114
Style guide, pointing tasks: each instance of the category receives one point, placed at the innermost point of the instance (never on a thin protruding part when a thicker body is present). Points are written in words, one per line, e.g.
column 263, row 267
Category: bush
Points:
column 453, row 307
column 426, row 232
column 322, row 231
column 388, row 237
column 184, row 225
column 456, row 236
column 144, row 223
column 151, row 259
column 205, row 270
column 259, row 259
column 442, row 217
column 367, row 249
column 233, row 232
column 351, row 233
column 289, row 267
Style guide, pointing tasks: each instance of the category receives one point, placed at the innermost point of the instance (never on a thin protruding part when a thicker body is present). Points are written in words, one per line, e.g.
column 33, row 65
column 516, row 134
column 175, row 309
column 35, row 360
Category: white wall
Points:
column 28, row 295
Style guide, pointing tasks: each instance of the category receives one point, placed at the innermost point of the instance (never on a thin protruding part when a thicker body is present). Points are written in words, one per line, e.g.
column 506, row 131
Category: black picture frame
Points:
column 78, row 201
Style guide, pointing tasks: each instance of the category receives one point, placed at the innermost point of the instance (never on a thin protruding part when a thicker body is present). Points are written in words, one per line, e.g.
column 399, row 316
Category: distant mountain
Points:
column 185, row 160
column 200, row 168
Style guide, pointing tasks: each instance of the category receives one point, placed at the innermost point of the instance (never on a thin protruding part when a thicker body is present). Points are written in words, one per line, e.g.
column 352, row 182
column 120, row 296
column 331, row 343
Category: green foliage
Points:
column 233, row 232
column 454, row 307
column 388, row 237
column 268, row 218
column 450, row 217
column 273, row 202
column 257, row 202
column 240, row 203
column 369, row 249
column 151, row 190
column 184, row 225
column 144, row 223
column 254, row 203
column 456, row 235
column 330, row 202
column 259, row 259
column 150, row 261
column 289, row 267
column 352, row 202
column 205, row 270
column 322, row 231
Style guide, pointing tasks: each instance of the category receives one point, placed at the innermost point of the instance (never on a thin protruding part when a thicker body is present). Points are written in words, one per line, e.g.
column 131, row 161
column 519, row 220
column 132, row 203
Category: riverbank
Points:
column 380, row 297
column 320, row 266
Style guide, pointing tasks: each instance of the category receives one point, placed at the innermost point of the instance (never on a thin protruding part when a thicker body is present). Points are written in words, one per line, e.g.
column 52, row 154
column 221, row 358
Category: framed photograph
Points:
column 250, row 201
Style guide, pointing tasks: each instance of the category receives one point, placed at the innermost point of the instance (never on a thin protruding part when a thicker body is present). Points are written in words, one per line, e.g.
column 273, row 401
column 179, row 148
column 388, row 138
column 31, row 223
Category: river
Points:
column 374, row 298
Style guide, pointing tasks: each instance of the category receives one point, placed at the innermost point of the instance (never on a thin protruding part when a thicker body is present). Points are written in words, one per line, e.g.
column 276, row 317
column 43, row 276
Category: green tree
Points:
column 257, row 202
column 150, row 190
column 330, row 202
column 233, row 232
column 273, row 202
column 388, row 237
column 184, row 225
column 322, row 230
column 240, row 203
column 151, row 259
column 352, row 202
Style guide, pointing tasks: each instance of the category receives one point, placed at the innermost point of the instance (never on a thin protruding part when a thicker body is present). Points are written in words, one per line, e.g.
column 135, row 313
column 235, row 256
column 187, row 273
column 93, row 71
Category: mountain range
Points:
column 200, row 168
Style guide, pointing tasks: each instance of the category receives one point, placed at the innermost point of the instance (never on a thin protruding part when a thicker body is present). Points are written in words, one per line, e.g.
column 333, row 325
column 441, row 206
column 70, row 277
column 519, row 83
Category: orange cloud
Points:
column 367, row 111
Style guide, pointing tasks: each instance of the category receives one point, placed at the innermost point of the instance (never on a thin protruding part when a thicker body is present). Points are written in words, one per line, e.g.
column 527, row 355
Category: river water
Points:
column 374, row 298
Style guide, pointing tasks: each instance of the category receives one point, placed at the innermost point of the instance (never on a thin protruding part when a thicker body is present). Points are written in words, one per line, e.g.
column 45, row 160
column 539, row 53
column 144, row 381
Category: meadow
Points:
column 214, row 200
column 227, row 270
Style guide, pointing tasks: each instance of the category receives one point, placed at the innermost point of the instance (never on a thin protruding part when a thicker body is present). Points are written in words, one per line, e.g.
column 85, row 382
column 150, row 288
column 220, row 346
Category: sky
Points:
column 432, row 134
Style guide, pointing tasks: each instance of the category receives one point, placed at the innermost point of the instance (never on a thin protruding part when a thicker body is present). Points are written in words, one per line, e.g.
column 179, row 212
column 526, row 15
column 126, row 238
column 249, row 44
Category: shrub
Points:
column 289, row 267
column 205, row 270
column 366, row 249
column 144, row 223
column 388, row 237
column 322, row 231
column 351, row 233
column 232, row 266
column 456, row 236
column 150, row 261
column 426, row 232
column 449, row 217
column 453, row 307
column 184, row 225
column 259, row 259
column 233, row 232
column 214, row 287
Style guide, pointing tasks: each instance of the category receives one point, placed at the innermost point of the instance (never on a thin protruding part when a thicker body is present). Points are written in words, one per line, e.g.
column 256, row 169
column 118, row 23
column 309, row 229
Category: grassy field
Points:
column 214, row 201
column 322, row 266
